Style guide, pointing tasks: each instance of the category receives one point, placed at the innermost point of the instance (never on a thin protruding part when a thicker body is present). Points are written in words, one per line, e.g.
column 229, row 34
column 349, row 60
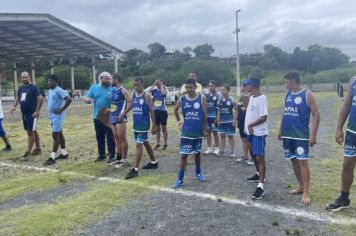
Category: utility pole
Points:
column 237, row 55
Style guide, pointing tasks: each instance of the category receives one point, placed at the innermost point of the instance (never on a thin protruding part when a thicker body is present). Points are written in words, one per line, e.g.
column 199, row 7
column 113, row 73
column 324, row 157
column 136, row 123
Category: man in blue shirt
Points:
column 30, row 100
column 101, row 96
column 58, row 101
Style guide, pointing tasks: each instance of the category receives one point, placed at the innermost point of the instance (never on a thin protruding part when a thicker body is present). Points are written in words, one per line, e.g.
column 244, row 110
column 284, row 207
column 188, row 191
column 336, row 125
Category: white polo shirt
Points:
column 257, row 107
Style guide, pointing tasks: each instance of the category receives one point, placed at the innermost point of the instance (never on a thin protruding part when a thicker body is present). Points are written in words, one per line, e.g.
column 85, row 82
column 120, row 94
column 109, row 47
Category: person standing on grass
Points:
column 142, row 112
column 348, row 110
column 295, row 132
column 159, row 92
column 101, row 95
column 257, row 130
column 226, row 119
column 58, row 101
column 212, row 98
column 193, row 129
column 30, row 100
column 8, row 147
column 120, row 103
column 241, row 111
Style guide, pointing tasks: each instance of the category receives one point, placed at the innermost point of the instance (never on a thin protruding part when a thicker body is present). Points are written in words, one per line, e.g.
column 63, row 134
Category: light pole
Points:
column 237, row 55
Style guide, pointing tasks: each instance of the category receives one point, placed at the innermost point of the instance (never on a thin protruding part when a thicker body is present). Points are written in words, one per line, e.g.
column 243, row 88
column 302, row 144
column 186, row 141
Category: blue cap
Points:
column 246, row 82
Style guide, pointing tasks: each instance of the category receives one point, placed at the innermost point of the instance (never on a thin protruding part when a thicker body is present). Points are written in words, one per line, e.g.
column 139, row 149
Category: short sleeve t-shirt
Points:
column 1, row 112
column 257, row 107
column 27, row 96
column 198, row 90
column 101, row 96
column 56, row 99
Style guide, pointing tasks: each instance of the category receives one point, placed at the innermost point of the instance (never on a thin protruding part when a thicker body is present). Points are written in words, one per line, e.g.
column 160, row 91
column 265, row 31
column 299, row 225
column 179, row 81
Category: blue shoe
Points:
column 221, row 153
column 177, row 184
column 201, row 178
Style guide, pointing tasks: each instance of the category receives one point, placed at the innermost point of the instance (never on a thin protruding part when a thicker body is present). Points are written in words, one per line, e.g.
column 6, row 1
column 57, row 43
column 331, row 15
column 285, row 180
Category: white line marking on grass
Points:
column 321, row 217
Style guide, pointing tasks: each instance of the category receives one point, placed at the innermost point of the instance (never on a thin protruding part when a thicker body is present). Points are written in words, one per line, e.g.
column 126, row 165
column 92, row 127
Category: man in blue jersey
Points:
column 212, row 98
column 257, row 130
column 295, row 132
column 348, row 110
column 58, row 101
column 159, row 92
column 3, row 133
column 193, row 129
column 100, row 94
column 30, row 100
column 120, row 106
column 142, row 112
column 227, row 120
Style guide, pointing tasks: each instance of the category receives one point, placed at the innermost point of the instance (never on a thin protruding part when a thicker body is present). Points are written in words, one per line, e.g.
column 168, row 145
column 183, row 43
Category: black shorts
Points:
column 161, row 117
column 29, row 123
column 242, row 132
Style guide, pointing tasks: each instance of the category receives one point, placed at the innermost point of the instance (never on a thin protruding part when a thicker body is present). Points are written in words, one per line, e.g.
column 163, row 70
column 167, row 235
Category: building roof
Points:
column 25, row 37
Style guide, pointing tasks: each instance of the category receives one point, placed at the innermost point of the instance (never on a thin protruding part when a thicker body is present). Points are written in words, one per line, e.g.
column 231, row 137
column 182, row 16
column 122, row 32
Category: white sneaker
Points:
column 208, row 151
column 250, row 163
column 216, row 150
column 121, row 164
column 239, row 159
column 232, row 155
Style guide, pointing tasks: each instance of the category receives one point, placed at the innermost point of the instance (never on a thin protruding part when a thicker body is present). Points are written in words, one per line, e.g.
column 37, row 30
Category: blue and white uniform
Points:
column 226, row 107
column 118, row 105
column 159, row 106
column 350, row 137
column 56, row 101
column 192, row 128
column 141, row 117
column 295, row 125
column 211, row 109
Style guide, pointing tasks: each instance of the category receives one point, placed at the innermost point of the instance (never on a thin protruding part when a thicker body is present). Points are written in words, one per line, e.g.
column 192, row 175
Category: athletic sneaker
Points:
column 221, row 153
column 36, row 152
column 121, row 164
column 25, row 156
column 62, row 157
column 100, row 158
column 250, row 163
column 157, row 147
column 201, row 178
column 111, row 159
column 132, row 174
column 177, row 184
column 208, row 151
column 244, row 159
column 239, row 159
column 338, row 205
column 50, row 161
column 7, row 149
column 150, row 165
column 164, row 147
column 258, row 194
column 253, row 179
column 216, row 150
column 232, row 155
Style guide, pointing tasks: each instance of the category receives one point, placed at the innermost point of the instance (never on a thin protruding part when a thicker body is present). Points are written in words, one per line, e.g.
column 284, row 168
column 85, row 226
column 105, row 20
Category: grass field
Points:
column 90, row 200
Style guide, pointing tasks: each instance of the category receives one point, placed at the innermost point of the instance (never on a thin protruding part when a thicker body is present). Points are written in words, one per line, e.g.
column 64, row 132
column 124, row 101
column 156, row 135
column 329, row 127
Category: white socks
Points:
column 64, row 152
column 53, row 155
column 260, row 185
column 154, row 162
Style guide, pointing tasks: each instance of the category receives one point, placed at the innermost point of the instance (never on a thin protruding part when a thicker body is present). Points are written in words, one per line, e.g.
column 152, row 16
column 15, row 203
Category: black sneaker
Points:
column 164, row 147
column 258, row 194
column 253, row 179
column 157, row 147
column 7, row 149
column 111, row 159
column 25, row 156
column 50, row 161
column 100, row 158
column 338, row 205
column 150, row 165
column 62, row 157
column 37, row 152
column 132, row 174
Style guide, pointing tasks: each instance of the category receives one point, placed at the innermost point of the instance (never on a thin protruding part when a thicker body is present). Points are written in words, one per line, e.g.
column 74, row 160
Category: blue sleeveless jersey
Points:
column 118, row 104
column 351, row 126
column 140, row 113
column 211, row 104
column 159, row 100
column 192, row 110
column 226, row 107
column 296, row 117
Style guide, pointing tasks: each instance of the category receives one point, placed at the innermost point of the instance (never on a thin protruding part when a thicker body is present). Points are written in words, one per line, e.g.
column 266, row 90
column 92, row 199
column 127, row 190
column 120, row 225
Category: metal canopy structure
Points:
column 29, row 37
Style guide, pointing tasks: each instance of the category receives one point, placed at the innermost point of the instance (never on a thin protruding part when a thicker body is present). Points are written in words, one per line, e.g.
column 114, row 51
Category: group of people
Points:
column 212, row 114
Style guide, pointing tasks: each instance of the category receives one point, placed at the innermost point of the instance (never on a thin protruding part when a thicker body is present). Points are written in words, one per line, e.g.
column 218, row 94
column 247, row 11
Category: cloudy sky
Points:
column 176, row 24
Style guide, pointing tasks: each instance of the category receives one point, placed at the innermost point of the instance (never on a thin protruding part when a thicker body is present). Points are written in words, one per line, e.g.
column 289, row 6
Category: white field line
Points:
column 321, row 217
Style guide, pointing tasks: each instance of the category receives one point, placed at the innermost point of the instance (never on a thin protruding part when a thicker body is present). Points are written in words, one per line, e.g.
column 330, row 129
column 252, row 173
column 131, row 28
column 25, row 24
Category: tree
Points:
column 204, row 51
column 187, row 51
column 156, row 49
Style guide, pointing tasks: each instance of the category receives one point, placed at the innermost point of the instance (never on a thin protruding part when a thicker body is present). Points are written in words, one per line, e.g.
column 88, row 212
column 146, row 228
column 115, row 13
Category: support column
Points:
column 33, row 73
column 72, row 63
column 93, row 70
column 51, row 67
column 15, row 80
column 116, row 58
